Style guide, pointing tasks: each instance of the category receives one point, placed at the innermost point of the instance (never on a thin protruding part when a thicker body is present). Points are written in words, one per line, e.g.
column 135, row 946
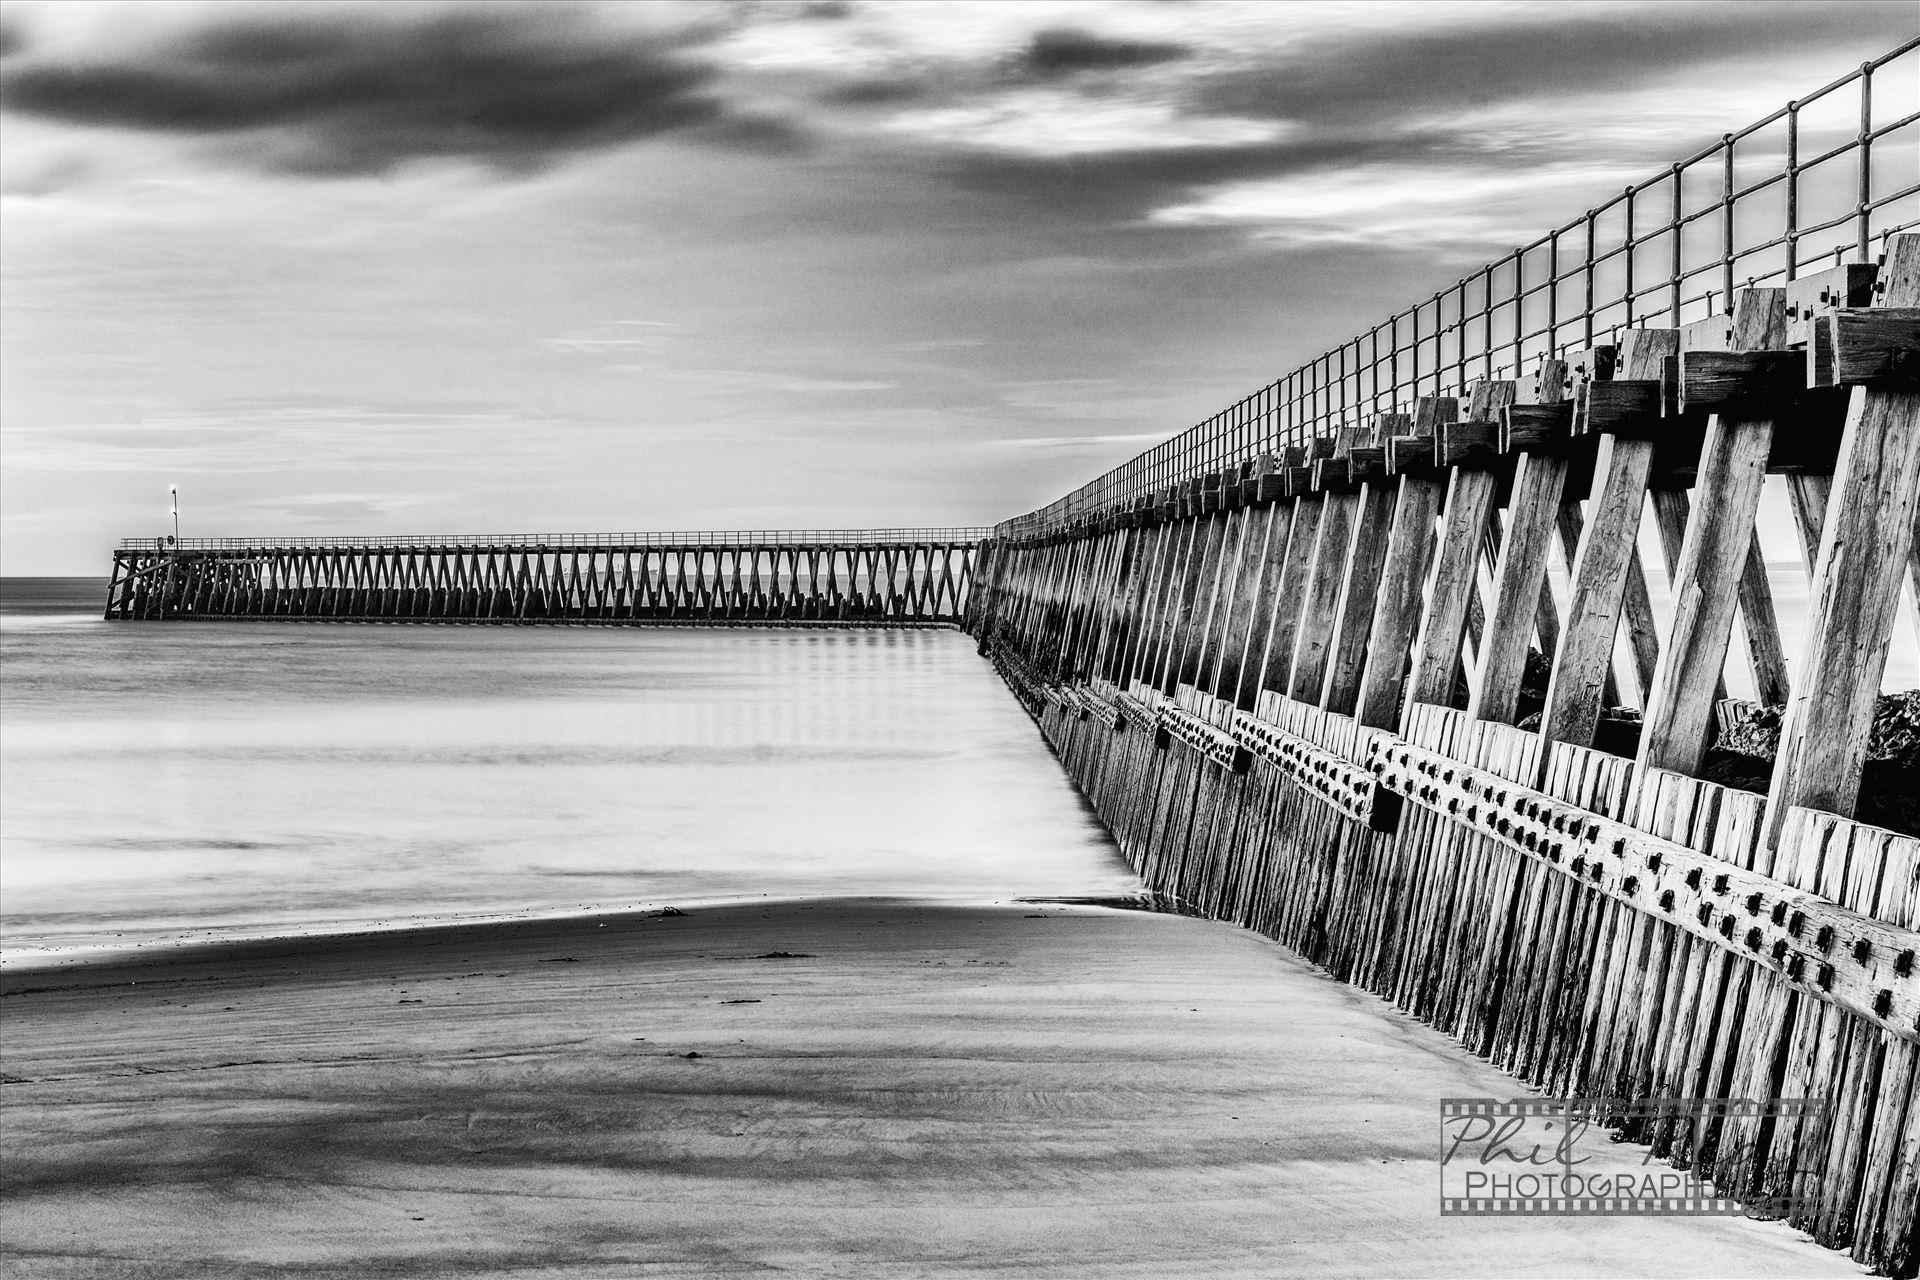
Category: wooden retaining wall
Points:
column 1290, row 688
column 674, row 580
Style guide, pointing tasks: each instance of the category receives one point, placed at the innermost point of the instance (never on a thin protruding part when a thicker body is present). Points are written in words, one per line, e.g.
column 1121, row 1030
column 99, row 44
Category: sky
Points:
column 499, row 268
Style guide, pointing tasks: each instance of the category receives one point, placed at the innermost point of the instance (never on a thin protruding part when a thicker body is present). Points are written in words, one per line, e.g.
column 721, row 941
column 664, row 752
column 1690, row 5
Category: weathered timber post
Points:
column 1572, row 527
column 1766, row 661
column 1227, row 564
column 1810, row 495
column 1864, row 547
column 1145, row 620
column 1396, row 609
column 1540, row 476
column 1119, row 648
column 1141, row 628
column 1070, row 577
column 1766, row 658
column 1671, row 511
column 1105, row 570
column 1251, row 656
column 977, row 620
column 1196, row 609
column 1276, row 662
column 1471, row 490
column 1025, row 621
column 1089, row 575
column 1605, row 580
column 1719, row 533
column 1314, row 633
column 1359, row 594
column 1038, row 584
column 1097, row 607
column 1250, row 587
column 1112, row 603
column 1598, row 591
column 1177, row 605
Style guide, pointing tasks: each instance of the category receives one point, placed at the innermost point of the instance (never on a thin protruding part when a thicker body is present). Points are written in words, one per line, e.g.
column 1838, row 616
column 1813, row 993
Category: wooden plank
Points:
column 1314, row 638
column 1719, row 533
column 1571, row 527
column 1470, row 496
column 1249, row 579
column 1246, row 691
column 1216, row 567
column 1876, row 346
column 1277, row 663
column 1766, row 659
column 1864, row 548
column 1810, row 495
column 1597, row 591
column 1913, row 582
column 1167, row 602
column 1817, row 293
column 1198, row 615
column 1397, row 604
column 1359, row 594
column 1537, row 485
column 1760, row 322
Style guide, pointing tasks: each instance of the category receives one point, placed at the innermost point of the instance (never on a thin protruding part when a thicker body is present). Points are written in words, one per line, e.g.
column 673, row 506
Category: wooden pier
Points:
column 863, row 577
column 1369, row 662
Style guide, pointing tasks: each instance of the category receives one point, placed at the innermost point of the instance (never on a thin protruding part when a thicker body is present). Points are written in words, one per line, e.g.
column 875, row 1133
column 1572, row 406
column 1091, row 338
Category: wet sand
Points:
column 841, row 1087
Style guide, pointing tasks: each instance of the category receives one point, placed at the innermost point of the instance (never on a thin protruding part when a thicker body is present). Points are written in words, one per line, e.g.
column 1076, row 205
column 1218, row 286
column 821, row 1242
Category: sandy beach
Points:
column 828, row 1087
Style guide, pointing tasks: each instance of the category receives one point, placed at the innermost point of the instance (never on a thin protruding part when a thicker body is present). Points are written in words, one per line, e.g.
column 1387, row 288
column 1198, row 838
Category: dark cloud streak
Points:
column 1353, row 77
column 1120, row 186
column 1064, row 51
column 515, row 87
column 1383, row 97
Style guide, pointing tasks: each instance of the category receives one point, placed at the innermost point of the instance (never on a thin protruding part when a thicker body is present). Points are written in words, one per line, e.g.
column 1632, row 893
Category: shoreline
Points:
column 849, row 1085
column 61, row 956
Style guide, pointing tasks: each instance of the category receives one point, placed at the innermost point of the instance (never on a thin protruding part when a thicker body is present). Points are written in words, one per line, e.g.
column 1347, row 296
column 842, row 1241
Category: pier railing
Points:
column 1821, row 182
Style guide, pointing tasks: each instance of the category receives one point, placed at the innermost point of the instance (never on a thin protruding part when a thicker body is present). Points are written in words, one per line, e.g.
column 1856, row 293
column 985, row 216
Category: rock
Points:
column 1754, row 730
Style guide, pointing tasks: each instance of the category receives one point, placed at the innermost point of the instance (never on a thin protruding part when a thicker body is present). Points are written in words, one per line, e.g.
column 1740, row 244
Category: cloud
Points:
column 1065, row 51
column 1055, row 123
column 330, row 508
column 617, row 337
column 938, row 344
column 357, row 90
column 1541, row 112
column 1377, row 72
column 1403, row 203
column 747, row 380
column 266, row 436
column 1069, row 443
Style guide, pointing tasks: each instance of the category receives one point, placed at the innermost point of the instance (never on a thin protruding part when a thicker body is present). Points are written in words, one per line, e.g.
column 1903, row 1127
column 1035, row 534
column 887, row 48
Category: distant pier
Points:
column 845, row 577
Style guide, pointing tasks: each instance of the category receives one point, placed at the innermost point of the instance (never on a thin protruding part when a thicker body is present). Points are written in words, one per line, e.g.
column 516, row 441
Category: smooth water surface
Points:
column 165, row 779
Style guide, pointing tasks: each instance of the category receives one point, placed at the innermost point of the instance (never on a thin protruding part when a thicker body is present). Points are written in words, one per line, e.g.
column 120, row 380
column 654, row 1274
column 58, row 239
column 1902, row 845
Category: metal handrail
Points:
column 1567, row 290
column 574, row 541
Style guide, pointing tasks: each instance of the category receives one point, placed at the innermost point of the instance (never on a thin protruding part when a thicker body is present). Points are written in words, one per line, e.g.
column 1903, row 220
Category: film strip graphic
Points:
column 1501, row 1169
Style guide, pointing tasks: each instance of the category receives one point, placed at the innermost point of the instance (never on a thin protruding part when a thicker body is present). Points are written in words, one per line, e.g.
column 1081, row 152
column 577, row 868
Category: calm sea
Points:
column 165, row 781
